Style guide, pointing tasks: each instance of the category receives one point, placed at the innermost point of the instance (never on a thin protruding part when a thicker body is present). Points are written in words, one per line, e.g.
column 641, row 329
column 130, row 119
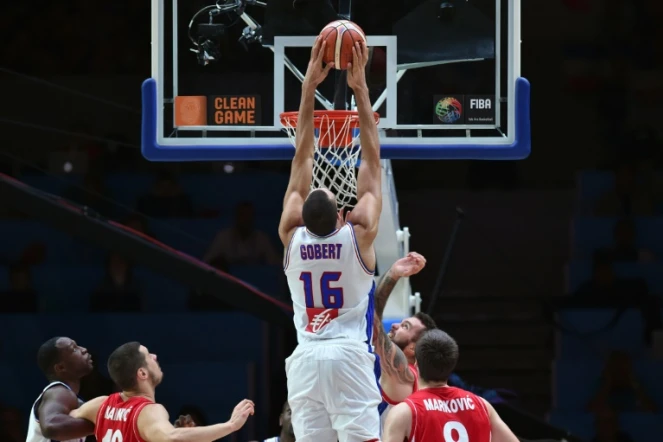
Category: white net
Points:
column 337, row 152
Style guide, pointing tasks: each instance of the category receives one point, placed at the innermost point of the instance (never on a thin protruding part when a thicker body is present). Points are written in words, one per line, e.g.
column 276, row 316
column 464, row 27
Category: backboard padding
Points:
column 182, row 149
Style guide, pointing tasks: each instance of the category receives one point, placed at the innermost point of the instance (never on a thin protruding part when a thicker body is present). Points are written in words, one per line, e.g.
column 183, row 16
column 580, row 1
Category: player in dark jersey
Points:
column 437, row 412
column 64, row 363
column 134, row 416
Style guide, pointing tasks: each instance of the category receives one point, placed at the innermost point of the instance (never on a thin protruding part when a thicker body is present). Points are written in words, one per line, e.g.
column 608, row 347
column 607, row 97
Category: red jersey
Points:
column 117, row 419
column 448, row 414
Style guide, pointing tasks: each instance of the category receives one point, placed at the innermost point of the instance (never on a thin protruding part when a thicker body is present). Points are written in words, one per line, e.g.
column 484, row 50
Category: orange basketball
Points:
column 341, row 35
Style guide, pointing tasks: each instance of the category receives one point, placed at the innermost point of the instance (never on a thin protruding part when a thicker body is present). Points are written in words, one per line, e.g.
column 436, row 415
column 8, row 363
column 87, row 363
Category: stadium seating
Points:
column 651, row 272
column 576, row 381
column 590, row 234
column 641, row 427
column 587, row 336
column 583, row 341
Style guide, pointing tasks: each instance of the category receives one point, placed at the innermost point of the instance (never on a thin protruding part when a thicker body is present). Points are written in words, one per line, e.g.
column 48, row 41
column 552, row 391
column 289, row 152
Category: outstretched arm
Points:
column 396, row 378
column 89, row 410
column 154, row 426
column 366, row 214
column 301, row 170
column 398, row 424
column 54, row 419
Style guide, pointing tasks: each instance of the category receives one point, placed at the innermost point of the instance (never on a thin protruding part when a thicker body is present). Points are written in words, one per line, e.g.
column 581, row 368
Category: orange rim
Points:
column 336, row 128
column 327, row 118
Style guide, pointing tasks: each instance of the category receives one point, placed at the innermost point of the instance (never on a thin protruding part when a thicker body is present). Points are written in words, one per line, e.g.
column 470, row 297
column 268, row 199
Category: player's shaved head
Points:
column 49, row 355
column 320, row 212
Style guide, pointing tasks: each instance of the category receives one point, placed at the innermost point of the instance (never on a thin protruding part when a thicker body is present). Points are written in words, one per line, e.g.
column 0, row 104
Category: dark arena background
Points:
column 546, row 267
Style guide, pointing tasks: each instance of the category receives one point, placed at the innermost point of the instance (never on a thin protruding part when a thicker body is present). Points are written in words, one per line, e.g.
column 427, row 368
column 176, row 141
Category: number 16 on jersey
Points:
column 330, row 296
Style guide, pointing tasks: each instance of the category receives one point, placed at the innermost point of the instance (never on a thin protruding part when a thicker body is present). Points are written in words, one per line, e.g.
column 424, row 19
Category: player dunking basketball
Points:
column 437, row 412
column 329, row 266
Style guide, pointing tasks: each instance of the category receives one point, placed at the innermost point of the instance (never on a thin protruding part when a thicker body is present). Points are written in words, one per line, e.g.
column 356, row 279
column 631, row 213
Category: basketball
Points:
column 341, row 35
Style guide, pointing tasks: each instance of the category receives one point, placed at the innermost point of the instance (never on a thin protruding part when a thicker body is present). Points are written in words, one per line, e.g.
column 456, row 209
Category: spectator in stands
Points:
column 606, row 290
column 624, row 248
column 193, row 413
column 287, row 434
column 11, row 425
column 605, row 285
column 166, row 199
column 607, row 429
column 619, row 389
column 242, row 244
column 92, row 194
column 137, row 223
column 20, row 297
column 630, row 197
column 118, row 292
column 34, row 254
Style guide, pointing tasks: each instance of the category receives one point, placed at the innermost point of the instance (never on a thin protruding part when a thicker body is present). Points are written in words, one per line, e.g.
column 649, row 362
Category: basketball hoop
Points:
column 337, row 149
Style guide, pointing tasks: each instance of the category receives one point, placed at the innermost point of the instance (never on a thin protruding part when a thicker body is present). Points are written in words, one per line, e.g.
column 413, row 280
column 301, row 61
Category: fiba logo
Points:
column 480, row 103
column 448, row 110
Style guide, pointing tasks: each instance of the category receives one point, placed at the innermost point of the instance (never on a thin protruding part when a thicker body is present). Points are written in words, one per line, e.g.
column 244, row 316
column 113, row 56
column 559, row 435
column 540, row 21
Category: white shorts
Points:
column 333, row 392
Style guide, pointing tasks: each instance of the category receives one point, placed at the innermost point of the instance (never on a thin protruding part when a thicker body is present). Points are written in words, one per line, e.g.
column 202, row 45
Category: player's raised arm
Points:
column 54, row 418
column 301, row 170
column 154, row 425
column 407, row 266
column 398, row 424
column 394, row 366
column 366, row 213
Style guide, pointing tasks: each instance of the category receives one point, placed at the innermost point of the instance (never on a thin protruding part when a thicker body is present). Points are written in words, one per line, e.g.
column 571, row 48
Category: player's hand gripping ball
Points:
column 341, row 36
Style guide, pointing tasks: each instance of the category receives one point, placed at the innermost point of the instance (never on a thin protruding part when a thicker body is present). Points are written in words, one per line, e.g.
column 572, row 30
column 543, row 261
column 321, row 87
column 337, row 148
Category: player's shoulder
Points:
column 445, row 393
column 459, row 393
column 456, row 391
column 402, row 410
column 151, row 409
column 112, row 398
column 58, row 391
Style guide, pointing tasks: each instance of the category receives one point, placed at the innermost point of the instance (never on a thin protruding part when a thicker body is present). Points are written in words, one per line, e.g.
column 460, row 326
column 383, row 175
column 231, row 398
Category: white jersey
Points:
column 331, row 288
column 273, row 439
column 34, row 430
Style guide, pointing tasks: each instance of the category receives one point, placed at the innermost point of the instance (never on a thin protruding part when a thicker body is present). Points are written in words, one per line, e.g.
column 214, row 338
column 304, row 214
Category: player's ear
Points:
column 142, row 373
column 58, row 368
column 409, row 350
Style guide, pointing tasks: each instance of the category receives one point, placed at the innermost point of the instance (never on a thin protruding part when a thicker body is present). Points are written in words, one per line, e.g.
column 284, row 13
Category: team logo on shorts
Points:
column 318, row 318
